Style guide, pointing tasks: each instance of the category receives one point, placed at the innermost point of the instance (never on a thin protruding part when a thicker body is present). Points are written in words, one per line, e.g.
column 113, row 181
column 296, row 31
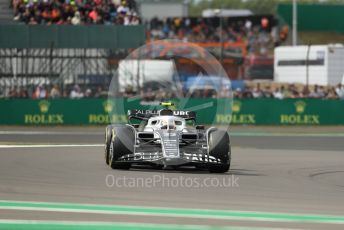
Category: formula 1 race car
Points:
column 166, row 138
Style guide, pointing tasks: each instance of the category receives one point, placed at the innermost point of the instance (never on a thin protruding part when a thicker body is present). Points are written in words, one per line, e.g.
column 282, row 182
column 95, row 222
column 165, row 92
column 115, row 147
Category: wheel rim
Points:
column 105, row 147
column 105, row 153
column 111, row 153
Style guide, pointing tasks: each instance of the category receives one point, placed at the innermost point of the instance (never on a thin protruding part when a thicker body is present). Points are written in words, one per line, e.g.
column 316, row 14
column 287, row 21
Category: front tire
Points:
column 219, row 147
column 122, row 143
column 108, row 137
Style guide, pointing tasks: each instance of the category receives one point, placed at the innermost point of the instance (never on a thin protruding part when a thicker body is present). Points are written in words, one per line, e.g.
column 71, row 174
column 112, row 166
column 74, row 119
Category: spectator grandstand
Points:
column 259, row 33
column 76, row 12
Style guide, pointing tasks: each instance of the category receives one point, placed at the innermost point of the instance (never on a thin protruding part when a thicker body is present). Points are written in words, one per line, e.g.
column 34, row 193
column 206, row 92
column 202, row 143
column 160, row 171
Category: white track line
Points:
column 49, row 133
column 235, row 134
column 50, row 146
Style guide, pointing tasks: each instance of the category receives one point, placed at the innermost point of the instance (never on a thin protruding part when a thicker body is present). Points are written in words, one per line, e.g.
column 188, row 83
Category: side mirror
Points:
column 199, row 126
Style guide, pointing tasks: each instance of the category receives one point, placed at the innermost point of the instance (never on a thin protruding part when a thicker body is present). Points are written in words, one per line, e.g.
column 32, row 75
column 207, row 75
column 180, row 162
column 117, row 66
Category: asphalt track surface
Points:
column 279, row 178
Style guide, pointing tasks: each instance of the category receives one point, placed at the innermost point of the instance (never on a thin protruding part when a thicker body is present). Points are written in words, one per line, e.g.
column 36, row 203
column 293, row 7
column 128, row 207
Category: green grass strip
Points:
column 173, row 212
column 56, row 225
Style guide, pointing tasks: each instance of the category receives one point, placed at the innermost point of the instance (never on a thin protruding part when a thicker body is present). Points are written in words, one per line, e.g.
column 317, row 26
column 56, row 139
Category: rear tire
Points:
column 219, row 147
column 122, row 143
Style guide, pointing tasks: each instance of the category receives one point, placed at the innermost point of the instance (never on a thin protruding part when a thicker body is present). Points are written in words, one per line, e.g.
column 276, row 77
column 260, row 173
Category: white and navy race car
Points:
column 166, row 138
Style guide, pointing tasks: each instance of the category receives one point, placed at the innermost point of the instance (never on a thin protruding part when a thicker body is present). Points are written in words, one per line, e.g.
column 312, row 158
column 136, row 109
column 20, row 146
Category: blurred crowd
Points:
column 76, row 12
column 255, row 91
column 290, row 91
column 260, row 37
column 43, row 91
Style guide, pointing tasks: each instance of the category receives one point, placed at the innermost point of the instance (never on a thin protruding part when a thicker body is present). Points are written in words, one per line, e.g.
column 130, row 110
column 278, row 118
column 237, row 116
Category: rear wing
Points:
column 146, row 114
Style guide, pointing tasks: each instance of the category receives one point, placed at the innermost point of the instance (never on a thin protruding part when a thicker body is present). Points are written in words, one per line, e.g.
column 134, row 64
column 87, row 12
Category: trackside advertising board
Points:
column 209, row 111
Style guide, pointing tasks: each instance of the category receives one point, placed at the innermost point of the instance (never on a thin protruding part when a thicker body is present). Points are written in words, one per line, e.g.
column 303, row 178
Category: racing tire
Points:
column 219, row 147
column 122, row 143
column 108, row 137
